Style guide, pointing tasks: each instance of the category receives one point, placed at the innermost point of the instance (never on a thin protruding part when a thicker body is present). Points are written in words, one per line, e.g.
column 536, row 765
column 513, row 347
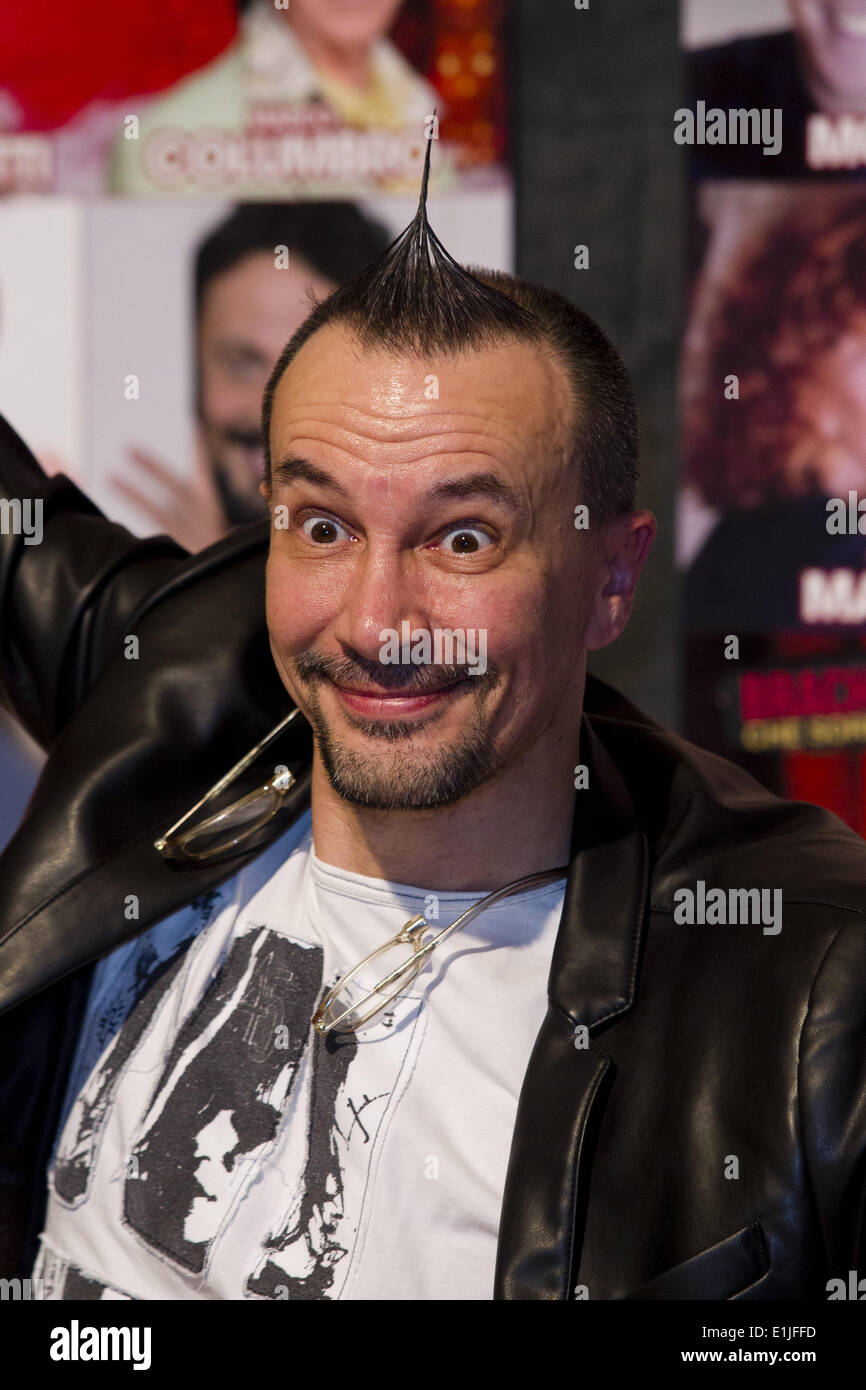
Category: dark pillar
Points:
column 594, row 93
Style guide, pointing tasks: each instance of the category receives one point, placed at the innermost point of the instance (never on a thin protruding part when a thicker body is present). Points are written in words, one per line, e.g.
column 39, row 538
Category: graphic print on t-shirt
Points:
column 217, row 1120
column 221, row 1095
column 62, row 1280
column 353, row 1090
column 76, row 1154
column 139, row 976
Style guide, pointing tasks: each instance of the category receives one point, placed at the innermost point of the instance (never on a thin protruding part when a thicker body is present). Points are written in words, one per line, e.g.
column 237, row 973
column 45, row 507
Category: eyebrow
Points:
column 476, row 485
column 227, row 354
column 291, row 470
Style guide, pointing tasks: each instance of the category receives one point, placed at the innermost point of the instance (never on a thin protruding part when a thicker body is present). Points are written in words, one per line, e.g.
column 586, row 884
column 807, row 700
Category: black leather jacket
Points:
column 706, row 1043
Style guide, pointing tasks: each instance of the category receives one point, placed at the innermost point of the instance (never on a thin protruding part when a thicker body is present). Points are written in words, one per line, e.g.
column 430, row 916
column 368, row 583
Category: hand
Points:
column 52, row 463
column 187, row 509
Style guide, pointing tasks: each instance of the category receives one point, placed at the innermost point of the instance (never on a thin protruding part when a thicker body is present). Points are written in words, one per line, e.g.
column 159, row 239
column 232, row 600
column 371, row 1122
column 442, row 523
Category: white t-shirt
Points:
column 215, row 1146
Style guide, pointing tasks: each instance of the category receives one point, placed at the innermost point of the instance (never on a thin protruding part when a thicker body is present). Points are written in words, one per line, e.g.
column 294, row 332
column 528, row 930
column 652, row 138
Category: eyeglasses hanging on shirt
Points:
column 343, row 1011
column 224, row 833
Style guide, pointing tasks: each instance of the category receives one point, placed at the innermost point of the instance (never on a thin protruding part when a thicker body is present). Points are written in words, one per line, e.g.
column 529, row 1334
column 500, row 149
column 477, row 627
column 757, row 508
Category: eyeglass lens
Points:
column 358, row 993
column 231, row 826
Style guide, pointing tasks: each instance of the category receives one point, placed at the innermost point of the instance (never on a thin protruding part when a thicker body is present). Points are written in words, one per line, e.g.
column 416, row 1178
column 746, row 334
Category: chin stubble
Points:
column 402, row 782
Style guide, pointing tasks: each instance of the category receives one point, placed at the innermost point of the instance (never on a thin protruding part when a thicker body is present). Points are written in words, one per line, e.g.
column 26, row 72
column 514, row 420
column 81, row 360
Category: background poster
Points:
column 772, row 510
column 307, row 99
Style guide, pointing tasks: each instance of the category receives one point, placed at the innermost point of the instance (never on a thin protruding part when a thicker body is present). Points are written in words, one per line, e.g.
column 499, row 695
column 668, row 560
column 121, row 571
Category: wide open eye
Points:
column 323, row 530
column 466, row 540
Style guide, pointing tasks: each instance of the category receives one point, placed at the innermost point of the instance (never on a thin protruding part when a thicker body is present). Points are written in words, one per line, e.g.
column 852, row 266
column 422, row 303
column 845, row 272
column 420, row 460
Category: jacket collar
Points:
column 593, row 980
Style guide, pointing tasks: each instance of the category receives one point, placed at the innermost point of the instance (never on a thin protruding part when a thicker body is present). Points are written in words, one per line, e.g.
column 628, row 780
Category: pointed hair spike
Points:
column 425, row 177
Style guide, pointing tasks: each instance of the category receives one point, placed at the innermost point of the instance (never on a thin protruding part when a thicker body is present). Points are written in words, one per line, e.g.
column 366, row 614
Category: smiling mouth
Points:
column 395, row 704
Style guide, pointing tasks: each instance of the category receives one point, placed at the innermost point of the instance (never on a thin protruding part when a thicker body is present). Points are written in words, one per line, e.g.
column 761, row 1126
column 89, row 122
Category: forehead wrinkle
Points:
column 463, row 458
column 487, row 439
column 466, row 463
column 397, row 421
column 385, row 428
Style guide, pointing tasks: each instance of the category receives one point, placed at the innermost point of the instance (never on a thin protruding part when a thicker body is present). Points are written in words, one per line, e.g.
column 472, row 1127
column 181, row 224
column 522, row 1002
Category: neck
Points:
column 350, row 63
column 519, row 823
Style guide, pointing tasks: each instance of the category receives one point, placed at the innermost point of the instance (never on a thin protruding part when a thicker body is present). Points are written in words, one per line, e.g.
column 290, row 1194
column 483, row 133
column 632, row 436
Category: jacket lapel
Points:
column 592, row 981
column 86, row 918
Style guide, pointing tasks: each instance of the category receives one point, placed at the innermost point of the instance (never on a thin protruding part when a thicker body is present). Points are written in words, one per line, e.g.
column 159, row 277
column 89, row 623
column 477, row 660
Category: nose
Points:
column 384, row 593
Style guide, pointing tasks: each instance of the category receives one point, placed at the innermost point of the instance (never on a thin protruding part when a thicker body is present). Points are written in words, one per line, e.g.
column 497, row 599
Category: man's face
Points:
column 213, row 1143
column 832, row 35
column 453, row 513
column 344, row 23
column 247, row 315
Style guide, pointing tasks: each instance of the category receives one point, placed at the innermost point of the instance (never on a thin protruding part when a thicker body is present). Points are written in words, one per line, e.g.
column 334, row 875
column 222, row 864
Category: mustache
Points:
column 358, row 671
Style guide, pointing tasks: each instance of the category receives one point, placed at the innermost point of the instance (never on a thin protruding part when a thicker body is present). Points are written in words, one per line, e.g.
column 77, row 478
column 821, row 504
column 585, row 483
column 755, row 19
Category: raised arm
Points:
column 66, row 589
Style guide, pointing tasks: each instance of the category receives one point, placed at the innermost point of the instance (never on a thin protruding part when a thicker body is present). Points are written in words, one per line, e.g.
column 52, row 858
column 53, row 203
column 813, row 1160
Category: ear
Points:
column 623, row 549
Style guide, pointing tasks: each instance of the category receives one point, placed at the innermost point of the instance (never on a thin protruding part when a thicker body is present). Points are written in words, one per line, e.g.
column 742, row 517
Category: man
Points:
column 596, row 1086
column 253, row 276
column 319, row 68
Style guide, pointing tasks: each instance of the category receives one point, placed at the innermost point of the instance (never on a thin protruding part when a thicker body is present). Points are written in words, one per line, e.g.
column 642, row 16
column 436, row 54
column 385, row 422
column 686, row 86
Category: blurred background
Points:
column 157, row 166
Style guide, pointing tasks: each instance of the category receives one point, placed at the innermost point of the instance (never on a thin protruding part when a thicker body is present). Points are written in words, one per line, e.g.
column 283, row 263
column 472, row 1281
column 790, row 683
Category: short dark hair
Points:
column 333, row 239
column 416, row 298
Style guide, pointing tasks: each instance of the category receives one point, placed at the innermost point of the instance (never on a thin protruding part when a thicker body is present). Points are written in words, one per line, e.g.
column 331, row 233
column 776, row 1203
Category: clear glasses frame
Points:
column 326, row 1019
column 261, row 804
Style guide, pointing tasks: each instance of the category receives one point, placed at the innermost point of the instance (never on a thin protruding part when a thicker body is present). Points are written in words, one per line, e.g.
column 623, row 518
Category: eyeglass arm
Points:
column 227, row 777
column 519, row 884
